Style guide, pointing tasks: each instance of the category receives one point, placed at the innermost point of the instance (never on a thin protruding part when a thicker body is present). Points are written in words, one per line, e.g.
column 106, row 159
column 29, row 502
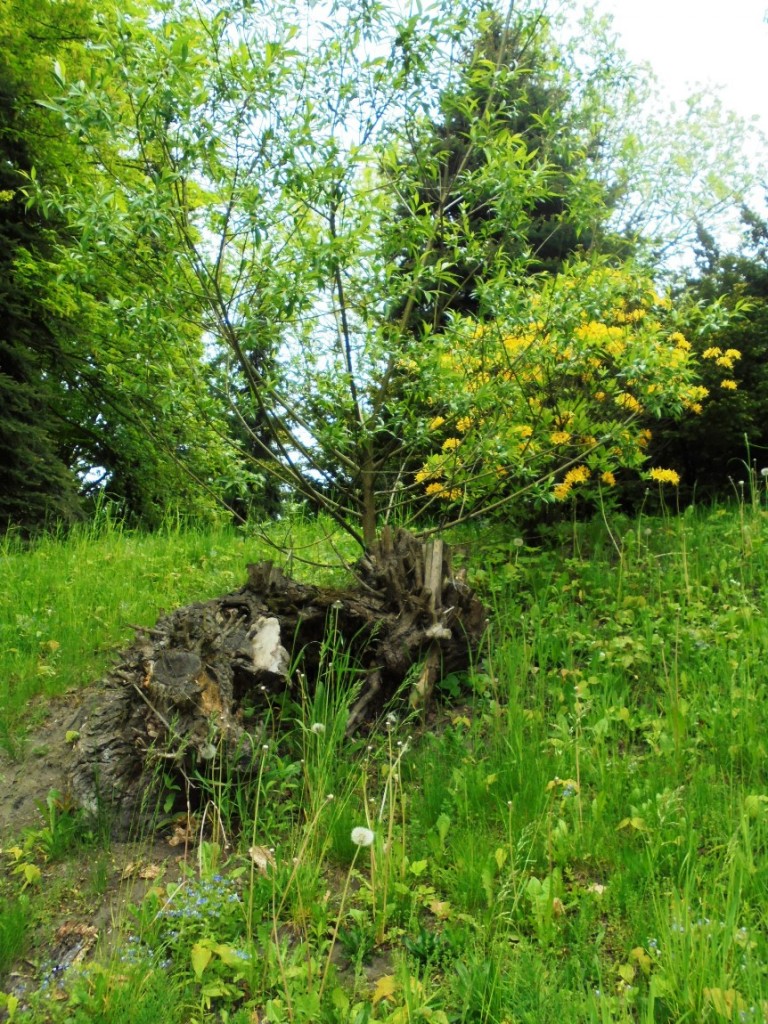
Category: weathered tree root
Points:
column 182, row 689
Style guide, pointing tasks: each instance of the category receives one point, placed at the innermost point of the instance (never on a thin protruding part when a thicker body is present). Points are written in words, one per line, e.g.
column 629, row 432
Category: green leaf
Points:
column 10, row 1002
column 200, row 954
column 443, row 824
column 340, row 999
column 230, row 956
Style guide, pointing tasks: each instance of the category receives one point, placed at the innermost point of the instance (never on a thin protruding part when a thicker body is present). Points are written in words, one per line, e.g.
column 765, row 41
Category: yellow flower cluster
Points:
column 516, row 343
column 726, row 360
column 577, row 475
column 612, row 339
column 597, row 332
column 716, row 353
column 427, row 474
column 665, row 476
column 605, row 346
column 680, row 341
column 696, row 392
column 628, row 402
column 444, row 493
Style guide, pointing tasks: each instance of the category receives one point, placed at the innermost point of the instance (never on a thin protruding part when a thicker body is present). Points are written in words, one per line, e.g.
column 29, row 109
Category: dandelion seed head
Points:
column 318, row 728
column 362, row 836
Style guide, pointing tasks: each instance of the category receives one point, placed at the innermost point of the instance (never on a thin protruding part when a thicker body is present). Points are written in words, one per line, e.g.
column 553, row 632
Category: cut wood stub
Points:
column 204, row 676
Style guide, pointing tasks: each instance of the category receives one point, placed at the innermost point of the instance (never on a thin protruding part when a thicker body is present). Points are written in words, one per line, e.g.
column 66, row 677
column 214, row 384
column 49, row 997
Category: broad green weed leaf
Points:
column 443, row 825
column 200, row 955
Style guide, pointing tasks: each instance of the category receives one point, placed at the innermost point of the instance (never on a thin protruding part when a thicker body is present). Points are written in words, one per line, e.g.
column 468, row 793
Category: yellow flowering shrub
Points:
column 548, row 398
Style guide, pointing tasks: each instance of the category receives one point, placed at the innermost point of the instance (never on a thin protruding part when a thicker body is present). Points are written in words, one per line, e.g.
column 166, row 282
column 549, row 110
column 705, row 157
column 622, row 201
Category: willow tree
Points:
column 260, row 149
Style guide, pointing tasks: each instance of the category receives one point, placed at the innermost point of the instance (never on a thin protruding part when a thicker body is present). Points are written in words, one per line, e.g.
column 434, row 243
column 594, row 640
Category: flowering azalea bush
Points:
column 554, row 397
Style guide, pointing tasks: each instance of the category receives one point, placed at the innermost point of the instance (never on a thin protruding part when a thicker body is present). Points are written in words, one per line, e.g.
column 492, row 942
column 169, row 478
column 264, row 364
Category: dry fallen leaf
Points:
column 136, row 869
column 440, row 908
column 150, row 871
column 262, row 858
column 83, row 931
column 139, row 870
column 182, row 834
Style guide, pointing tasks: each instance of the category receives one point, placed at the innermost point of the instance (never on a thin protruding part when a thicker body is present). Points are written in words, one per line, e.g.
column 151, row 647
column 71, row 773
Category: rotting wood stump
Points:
column 206, row 675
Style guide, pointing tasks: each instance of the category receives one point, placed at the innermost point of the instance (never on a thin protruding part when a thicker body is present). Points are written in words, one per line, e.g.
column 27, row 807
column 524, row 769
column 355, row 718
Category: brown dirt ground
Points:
column 79, row 918
column 78, row 915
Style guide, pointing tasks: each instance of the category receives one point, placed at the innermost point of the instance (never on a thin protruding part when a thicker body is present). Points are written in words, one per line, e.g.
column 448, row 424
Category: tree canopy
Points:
column 288, row 240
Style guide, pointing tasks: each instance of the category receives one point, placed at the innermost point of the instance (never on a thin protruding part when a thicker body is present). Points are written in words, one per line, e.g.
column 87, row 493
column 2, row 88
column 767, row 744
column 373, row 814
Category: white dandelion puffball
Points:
column 362, row 836
column 318, row 728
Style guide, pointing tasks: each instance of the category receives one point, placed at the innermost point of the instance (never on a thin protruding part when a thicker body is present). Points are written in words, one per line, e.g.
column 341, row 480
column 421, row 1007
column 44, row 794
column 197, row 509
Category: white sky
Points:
column 688, row 42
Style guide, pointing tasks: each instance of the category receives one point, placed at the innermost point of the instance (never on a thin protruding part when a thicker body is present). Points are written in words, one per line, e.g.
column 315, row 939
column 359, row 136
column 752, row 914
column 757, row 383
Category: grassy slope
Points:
column 584, row 838
column 66, row 606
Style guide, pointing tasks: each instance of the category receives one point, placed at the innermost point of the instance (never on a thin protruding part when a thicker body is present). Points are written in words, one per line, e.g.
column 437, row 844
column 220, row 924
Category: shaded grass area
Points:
column 579, row 835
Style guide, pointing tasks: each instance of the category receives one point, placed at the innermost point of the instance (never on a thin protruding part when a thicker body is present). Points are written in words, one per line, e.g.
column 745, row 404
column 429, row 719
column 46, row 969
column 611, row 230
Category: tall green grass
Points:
column 579, row 835
column 68, row 602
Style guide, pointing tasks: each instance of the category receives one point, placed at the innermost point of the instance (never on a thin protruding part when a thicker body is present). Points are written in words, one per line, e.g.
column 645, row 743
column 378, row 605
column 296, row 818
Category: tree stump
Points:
column 203, row 675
